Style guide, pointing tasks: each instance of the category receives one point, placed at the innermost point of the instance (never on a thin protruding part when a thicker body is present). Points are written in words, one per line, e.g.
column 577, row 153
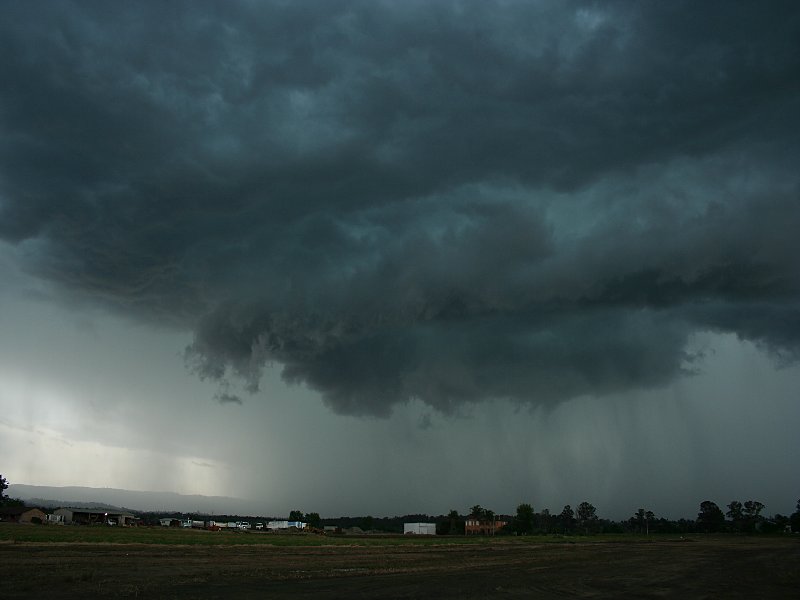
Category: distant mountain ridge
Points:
column 113, row 498
column 49, row 503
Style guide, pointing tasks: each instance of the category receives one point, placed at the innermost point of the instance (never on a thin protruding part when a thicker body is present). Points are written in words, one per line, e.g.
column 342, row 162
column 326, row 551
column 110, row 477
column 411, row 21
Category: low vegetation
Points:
column 13, row 533
column 457, row 568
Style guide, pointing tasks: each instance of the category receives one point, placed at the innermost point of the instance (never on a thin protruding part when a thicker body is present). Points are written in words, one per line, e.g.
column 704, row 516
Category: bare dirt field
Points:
column 721, row 567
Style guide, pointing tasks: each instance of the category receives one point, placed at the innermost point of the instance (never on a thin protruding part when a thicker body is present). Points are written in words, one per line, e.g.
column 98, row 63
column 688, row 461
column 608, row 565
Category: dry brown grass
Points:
column 734, row 567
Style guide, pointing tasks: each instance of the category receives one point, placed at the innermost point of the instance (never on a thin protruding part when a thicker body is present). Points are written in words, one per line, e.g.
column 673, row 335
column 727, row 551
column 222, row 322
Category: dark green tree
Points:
column 649, row 517
column 710, row 519
column 637, row 521
column 567, row 518
column 736, row 515
column 312, row 519
column 455, row 522
column 296, row 515
column 5, row 500
column 490, row 516
column 544, row 520
column 753, row 508
column 523, row 522
column 587, row 516
column 752, row 514
column 478, row 511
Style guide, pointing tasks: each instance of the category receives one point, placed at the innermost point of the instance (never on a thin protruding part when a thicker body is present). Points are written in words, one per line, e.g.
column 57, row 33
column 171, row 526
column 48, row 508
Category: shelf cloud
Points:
column 446, row 202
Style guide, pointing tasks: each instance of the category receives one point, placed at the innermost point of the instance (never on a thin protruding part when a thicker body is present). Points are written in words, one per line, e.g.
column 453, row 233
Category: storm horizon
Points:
column 390, row 258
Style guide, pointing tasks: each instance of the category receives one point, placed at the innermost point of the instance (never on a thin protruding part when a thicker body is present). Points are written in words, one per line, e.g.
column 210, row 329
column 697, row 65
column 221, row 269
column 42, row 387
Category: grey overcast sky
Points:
column 397, row 257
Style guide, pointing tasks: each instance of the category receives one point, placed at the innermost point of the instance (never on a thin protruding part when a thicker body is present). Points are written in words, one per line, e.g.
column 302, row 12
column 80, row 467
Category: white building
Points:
column 276, row 525
column 420, row 528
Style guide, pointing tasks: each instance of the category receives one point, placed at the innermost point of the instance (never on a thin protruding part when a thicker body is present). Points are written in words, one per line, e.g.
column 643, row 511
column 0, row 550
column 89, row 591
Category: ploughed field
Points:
column 175, row 564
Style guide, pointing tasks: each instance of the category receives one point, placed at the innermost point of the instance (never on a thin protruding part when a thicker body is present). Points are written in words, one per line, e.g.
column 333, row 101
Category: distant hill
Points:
column 53, row 497
column 48, row 503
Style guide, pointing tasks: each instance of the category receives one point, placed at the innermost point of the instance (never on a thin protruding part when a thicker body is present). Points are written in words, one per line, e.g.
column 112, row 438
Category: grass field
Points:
column 177, row 535
column 82, row 562
column 10, row 532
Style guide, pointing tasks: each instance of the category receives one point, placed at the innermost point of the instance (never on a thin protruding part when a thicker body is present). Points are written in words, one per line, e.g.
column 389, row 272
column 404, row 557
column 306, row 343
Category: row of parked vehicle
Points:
column 236, row 525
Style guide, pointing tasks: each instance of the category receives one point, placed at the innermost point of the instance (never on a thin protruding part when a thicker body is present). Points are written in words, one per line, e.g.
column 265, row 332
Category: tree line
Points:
column 741, row 517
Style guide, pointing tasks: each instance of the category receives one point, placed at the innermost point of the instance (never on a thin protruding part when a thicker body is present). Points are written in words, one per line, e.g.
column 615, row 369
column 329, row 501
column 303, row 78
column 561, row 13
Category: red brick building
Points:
column 482, row 526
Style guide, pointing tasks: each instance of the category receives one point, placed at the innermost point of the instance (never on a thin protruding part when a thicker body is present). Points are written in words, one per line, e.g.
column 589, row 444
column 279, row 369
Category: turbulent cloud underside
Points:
column 442, row 201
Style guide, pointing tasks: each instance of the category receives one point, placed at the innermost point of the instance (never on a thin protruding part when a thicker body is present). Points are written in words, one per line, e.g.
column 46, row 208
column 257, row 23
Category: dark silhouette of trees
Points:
column 5, row 500
column 456, row 522
column 524, row 521
column 649, row 517
column 745, row 517
column 710, row 519
column 566, row 519
column 752, row 514
column 545, row 519
column 491, row 517
column 313, row 520
column 640, row 521
column 736, row 515
column 453, row 524
column 587, row 516
column 794, row 519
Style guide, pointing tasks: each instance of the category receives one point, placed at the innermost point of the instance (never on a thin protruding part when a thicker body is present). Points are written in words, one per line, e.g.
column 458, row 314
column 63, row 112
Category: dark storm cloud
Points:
column 227, row 398
column 444, row 201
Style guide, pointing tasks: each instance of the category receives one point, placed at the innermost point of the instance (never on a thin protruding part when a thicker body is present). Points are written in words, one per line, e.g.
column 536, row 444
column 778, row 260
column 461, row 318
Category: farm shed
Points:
column 94, row 516
column 21, row 514
column 420, row 528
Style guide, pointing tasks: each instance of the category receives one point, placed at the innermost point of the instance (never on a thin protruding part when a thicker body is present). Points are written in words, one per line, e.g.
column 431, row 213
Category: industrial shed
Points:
column 94, row 516
column 419, row 528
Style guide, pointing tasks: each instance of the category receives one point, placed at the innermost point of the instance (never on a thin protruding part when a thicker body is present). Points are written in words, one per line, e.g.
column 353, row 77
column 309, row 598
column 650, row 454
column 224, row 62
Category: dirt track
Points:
column 713, row 568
